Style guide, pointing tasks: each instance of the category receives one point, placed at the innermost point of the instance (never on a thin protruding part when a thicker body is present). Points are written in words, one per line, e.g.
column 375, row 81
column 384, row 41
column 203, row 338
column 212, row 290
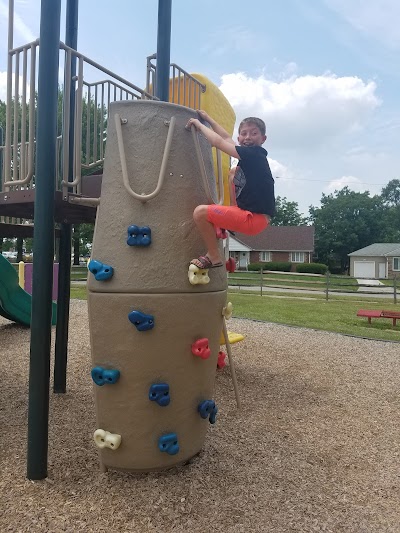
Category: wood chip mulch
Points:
column 315, row 446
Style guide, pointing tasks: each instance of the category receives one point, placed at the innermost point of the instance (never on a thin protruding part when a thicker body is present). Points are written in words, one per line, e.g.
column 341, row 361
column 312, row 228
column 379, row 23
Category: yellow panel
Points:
column 216, row 105
column 232, row 337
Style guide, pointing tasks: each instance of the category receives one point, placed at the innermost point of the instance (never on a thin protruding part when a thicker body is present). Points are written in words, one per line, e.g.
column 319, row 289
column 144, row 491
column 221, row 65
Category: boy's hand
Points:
column 193, row 122
column 203, row 115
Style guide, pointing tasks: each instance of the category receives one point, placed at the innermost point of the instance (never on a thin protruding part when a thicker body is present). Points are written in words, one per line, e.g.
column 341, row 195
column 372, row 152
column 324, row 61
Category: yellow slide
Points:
column 217, row 106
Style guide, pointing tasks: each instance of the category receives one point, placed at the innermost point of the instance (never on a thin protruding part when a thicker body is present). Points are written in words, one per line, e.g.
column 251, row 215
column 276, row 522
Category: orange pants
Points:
column 233, row 218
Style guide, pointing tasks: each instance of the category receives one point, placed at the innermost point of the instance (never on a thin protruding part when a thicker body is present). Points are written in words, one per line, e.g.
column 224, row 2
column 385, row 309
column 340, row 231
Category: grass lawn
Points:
column 338, row 315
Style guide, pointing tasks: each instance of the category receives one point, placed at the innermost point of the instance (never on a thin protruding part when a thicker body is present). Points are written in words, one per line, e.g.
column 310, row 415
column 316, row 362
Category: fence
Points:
column 323, row 286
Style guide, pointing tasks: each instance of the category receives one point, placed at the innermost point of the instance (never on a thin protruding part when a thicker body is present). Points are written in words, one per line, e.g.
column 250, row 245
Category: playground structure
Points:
column 44, row 164
column 15, row 302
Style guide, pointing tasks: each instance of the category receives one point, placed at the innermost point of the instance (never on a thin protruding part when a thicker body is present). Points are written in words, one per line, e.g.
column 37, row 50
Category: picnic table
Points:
column 372, row 313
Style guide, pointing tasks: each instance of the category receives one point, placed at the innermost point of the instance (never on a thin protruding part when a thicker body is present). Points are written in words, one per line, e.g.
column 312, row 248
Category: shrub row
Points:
column 280, row 266
column 273, row 265
column 311, row 268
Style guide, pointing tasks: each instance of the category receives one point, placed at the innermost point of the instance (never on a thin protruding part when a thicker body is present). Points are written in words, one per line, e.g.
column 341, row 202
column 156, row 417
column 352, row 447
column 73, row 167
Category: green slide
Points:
column 15, row 303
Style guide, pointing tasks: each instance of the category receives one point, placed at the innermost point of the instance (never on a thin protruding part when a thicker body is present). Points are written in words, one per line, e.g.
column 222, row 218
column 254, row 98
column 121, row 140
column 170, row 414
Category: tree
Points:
column 391, row 194
column 391, row 200
column 287, row 213
column 346, row 221
column 82, row 240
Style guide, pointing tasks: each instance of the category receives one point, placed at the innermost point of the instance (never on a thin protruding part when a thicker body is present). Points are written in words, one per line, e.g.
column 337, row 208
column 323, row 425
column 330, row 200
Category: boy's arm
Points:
column 215, row 126
column 214, row 138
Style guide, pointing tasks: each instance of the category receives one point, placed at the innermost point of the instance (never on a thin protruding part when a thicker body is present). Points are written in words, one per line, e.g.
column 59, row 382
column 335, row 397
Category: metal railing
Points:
column 92, row 101
column 185, row 89
column 90, row 114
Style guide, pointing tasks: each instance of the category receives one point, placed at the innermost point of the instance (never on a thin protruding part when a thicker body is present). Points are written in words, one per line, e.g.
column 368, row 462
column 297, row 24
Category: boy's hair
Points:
column 254, row 120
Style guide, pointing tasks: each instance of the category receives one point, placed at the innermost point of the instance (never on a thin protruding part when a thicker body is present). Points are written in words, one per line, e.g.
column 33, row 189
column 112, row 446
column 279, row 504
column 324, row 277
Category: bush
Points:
column 273, row 265
column 311, row 268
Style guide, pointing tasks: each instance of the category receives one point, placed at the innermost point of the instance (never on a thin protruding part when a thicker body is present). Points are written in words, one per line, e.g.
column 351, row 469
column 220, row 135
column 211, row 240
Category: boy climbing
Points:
column 252, row 180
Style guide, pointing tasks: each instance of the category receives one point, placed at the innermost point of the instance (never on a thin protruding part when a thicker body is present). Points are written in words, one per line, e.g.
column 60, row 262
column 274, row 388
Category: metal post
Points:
column 261, row 281
column 64, row 273
column 327, row 285
column 43, row 249
column 395, row 288
column 163, row 49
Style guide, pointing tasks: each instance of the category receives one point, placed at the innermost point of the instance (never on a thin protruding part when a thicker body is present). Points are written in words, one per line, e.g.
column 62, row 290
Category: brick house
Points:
column 294, row 244
column 378, row 260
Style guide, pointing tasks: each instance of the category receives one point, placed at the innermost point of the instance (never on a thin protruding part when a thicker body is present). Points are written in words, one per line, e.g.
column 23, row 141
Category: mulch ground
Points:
column 315, row 446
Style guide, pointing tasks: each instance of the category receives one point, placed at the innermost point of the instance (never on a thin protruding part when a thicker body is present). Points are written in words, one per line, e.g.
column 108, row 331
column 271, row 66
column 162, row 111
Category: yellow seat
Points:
column 233, row 337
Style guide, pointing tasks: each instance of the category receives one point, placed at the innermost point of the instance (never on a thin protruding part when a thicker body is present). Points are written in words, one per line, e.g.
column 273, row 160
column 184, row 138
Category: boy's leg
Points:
column 207, row 217
column 207, row 232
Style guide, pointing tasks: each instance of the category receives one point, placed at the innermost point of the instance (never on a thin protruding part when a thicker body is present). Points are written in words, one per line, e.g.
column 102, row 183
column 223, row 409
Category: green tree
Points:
column 391, row 200
column 287, row 213
column 346, row 221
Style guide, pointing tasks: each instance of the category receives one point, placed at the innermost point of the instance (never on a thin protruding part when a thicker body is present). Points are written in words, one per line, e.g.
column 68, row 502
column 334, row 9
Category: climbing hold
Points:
column 221, row 360
column 198, row 276
column 142, row 321
column 105, row 439
column 230, row 265
column 102, row 376
column 201, row 348
column 139, row 236
column 100, row 271
column 169, row 443
column 221, row 233
column 208, row 409
column 227, row 310
column 159, row 392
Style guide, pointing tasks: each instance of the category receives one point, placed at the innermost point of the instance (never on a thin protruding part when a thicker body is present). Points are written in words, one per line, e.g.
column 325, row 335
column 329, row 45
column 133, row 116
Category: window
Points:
column 396, row 263
column 297, row 257
column 265, row 257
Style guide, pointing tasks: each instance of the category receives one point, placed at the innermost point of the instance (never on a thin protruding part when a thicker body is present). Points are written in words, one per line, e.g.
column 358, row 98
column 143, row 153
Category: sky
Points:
column 323, row 74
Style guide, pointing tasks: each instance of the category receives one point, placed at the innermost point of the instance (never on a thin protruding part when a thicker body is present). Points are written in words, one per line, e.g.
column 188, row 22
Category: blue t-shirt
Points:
column 254, row 184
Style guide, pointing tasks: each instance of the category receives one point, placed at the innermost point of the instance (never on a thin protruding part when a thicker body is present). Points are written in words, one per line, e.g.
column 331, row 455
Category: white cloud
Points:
column 3, row 87
column 351, row 182
column 23, row 30
column 304, row 110
column 376, row 19
column 279, row 170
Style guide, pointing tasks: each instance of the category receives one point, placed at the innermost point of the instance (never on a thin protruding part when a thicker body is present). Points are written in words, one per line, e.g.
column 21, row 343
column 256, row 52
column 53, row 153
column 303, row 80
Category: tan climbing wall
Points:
column 153, row 280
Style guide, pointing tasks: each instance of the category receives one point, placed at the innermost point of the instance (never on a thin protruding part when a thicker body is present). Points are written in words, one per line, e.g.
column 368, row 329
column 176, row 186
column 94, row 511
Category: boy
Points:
column 252, row 180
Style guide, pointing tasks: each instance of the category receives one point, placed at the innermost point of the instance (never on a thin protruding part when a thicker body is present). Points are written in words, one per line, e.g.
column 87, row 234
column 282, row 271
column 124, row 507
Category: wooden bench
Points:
column 371, row 313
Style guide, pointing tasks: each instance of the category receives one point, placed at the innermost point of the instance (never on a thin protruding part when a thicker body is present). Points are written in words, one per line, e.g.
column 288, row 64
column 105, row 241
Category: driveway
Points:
column 373, row 286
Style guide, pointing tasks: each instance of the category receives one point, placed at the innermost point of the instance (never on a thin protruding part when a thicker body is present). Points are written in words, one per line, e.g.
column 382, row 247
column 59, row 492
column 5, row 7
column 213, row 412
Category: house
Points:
column 378, row 260
column 294, row 244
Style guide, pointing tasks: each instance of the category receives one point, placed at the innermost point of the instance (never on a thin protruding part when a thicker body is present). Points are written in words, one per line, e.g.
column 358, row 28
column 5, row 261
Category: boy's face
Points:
column 250, row 135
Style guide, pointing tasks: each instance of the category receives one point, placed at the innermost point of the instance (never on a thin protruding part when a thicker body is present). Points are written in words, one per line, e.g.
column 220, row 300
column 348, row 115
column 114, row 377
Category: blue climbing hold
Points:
column 208, row 409
column 102, row 376
column 159, row 392
column 139, row 236
column 169, row 443
column 142, row 321
column 100, row 271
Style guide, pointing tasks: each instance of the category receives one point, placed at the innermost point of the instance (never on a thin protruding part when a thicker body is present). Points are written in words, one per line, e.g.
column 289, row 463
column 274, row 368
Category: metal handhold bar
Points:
column 203, row 172
column 143, row 197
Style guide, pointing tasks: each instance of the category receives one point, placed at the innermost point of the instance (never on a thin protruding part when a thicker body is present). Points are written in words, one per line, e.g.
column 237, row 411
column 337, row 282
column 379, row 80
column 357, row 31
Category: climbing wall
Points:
column 155, row 324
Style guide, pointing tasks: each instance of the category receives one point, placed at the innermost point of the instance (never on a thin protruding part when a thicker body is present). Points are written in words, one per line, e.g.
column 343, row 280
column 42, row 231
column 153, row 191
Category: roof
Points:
column 280, row 239
column 377, row 249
